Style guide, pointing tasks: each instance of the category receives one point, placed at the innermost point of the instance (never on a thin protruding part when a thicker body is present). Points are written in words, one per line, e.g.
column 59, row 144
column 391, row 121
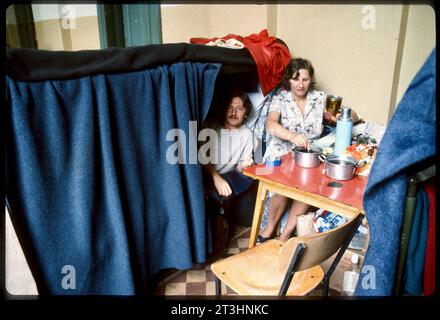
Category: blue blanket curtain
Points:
column 408, row 140
column 97, row 207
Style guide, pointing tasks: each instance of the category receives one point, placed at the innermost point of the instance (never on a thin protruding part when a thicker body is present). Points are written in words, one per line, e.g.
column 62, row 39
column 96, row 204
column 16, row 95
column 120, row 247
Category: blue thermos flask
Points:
column 344, row 128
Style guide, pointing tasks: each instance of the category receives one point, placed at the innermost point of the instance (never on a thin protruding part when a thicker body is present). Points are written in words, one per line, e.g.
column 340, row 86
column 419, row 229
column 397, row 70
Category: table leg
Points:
column 258, row 213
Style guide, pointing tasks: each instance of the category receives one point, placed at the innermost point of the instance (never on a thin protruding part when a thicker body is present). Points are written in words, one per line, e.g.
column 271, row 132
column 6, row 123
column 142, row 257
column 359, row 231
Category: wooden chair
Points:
column 290, row 268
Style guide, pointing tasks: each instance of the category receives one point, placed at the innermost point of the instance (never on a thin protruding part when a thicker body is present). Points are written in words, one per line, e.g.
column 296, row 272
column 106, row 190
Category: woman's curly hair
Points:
column 291, row 71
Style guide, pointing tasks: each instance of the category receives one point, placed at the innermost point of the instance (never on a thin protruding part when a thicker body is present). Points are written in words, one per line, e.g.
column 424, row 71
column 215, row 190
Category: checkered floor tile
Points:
column 201, row 281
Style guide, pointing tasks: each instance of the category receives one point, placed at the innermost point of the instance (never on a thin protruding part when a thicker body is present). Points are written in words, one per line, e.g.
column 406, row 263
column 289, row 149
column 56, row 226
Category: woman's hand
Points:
column 222, row 186
column 299, row 140
column 330, row 119
column 355, row 117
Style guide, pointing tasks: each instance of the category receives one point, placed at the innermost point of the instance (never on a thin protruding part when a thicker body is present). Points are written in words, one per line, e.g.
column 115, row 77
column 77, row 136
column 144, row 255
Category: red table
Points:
column 309, row 185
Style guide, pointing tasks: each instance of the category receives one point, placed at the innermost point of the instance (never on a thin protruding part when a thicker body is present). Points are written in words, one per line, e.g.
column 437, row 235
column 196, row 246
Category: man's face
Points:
column 235, row 114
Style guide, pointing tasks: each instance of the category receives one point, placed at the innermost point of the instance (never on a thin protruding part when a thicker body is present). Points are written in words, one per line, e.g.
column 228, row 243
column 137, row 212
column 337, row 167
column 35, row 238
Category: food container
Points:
column 340, row 167
column 273, row 161
column 307, row 158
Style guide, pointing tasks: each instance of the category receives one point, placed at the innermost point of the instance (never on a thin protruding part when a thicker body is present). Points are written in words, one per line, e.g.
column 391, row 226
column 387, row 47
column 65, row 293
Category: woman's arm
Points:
column 333, row 120
column 274, row 128
column 355, row 116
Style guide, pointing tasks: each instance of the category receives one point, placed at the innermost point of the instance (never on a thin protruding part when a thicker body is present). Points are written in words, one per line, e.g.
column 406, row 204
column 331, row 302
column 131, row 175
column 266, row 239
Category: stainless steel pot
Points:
column 340, row 167
column 307, row 158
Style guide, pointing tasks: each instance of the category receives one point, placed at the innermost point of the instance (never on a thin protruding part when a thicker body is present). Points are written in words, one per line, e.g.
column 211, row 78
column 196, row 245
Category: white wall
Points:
column 82, row 33
column 56, row 11
column 350, row 60
column 182, row 22
column 19, row 280
column 419, row 42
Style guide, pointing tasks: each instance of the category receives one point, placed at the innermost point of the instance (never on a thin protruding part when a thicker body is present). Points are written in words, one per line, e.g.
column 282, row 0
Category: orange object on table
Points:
column 360, row 152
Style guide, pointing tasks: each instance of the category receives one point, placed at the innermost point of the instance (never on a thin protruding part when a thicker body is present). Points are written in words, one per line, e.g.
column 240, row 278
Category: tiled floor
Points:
column 200, row 281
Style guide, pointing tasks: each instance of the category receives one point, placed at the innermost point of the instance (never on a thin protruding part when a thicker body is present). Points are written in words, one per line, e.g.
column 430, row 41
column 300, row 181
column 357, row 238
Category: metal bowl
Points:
column 307, row 158
column 341, row 167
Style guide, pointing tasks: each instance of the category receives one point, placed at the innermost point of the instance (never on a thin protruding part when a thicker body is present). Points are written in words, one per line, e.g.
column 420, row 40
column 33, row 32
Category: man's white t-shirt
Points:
column 229, row 147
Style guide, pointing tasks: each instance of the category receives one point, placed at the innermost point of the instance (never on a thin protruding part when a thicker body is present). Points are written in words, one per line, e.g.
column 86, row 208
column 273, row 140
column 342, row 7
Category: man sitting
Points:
column 231, row 150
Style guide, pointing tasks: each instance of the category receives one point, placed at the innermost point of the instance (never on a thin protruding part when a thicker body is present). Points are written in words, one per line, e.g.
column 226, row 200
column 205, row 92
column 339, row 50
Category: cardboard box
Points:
column 337, row 278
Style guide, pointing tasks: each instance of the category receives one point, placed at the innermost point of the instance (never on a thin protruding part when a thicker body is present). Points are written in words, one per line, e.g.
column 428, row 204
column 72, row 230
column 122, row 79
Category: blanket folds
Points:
column 410, row 138
column 96, row 204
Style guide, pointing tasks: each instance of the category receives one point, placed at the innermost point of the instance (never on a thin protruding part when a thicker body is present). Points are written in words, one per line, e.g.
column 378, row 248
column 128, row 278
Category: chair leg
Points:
column 218, row 287
column 325, row 284
column 291, row 269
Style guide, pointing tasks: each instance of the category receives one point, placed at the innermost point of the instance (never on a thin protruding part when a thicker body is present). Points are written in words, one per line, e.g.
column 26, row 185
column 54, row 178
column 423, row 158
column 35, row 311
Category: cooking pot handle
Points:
column 361, row 163
column 322, row 157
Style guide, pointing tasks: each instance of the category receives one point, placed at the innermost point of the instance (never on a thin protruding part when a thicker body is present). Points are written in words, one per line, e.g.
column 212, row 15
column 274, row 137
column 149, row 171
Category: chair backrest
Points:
column 319, row 247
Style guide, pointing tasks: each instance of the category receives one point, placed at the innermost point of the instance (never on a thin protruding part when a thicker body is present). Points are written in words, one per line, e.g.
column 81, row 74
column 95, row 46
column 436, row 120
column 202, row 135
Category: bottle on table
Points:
column 351, row 277
column 344, row 128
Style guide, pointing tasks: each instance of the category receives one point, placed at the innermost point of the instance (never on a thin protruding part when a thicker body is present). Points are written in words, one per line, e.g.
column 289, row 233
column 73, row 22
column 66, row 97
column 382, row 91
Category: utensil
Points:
column 341, row 167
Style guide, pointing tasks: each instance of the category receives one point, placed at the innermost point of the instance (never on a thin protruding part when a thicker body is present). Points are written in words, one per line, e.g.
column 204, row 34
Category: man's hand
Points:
column 244, row 163
column 222, row 186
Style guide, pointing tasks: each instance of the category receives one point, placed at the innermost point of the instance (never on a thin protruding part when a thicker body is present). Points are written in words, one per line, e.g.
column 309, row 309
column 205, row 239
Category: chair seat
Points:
column 255, row 272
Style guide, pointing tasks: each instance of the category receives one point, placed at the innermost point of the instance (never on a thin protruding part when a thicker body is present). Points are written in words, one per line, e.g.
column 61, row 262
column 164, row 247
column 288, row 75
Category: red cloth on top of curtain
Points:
column 429, row 270
column 270, row 56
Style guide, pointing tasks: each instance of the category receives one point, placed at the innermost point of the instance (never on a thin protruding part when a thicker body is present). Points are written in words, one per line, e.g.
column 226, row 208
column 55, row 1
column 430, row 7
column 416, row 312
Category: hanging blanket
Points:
column 97, row 207
column 408, row 140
